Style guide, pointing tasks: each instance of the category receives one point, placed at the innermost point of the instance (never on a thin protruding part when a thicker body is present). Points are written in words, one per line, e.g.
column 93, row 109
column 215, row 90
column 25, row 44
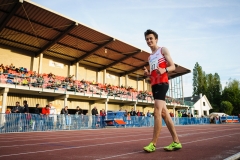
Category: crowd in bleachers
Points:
column 22, row 76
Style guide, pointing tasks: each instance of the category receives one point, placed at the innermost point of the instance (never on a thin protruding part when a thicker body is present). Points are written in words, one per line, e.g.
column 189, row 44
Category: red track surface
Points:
column 199, row 142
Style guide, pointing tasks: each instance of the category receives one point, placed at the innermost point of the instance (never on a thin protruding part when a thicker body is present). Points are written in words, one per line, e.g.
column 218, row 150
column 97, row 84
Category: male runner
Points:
column 160, row 63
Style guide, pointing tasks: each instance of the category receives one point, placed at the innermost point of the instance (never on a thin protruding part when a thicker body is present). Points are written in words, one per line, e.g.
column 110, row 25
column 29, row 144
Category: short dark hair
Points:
column 25, row 101
column 149, row 31
column 47, row 105
column 37, row 105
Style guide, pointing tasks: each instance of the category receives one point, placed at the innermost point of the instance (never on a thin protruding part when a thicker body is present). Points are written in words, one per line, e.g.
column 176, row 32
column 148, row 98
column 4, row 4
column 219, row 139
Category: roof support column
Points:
column 135, row 106
column 126, row 81
column 182, row 89
column 97, row 76
column 104, row 76
column 76, row 70
column 106, row 105
column 4, row 92
column 137, row 85
column 144, row 84
column 40, row 63
column 120, row 81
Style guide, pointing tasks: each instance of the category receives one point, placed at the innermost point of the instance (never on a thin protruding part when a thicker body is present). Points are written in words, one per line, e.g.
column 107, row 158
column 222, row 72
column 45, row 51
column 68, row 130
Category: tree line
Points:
column 225, row 99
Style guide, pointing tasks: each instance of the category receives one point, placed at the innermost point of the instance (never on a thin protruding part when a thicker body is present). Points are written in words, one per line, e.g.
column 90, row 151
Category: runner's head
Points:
column 151, row 38
column 149, row 31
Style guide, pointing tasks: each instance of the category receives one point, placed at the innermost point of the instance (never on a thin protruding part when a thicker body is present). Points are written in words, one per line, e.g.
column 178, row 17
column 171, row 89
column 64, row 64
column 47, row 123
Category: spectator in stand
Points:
column 94, row 117
column 1, row 70
column 17, row 108
column 51, row 115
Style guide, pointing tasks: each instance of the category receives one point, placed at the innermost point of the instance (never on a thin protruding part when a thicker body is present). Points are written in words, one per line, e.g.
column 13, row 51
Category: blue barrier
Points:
column 19, row 122
column 229, row 119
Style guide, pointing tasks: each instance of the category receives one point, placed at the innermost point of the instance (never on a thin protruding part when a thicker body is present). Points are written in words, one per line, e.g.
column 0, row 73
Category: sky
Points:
column 203, row 31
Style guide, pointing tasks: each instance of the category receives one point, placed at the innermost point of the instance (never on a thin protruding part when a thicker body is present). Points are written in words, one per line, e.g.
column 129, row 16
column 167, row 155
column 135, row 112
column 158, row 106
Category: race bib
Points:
column 153, row 64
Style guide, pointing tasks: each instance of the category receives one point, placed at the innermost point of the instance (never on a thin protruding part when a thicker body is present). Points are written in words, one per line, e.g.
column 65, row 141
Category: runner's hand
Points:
column 146, row 73
column 161, row 70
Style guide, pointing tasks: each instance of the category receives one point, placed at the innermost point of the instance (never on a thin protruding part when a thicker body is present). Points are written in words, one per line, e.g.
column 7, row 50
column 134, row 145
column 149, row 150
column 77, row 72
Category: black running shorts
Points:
column 160, row 90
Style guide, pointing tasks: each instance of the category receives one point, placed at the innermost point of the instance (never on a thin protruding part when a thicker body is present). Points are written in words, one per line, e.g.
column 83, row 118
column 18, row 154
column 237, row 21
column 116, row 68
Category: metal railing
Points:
column 20, row 122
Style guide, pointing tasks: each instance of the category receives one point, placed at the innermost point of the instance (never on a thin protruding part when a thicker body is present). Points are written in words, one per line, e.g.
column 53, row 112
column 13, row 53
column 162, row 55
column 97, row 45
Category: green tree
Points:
column 226, row 107
column 231, row 93
column 199, row 80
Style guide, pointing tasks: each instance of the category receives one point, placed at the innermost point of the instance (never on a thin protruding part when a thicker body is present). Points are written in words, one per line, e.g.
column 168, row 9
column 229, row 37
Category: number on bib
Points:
column 153, row 65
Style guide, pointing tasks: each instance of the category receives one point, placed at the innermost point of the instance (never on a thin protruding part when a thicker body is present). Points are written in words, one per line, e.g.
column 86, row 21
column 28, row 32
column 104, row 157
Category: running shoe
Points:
column 173, row 146
column 150, row 148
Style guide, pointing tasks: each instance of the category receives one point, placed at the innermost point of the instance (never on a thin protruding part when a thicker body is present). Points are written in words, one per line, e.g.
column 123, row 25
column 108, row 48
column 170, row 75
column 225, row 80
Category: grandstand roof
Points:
column 28, row 26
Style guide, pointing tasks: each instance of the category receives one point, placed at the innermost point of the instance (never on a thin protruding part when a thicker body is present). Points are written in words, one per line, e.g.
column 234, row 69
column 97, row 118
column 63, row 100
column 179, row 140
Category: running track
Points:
column 211, row 142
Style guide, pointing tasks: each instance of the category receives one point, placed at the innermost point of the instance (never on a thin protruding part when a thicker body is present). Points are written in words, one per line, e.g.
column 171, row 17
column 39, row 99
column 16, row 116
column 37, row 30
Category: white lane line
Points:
column 67, row 141
column 66, row 136
column 60, row 133
column 94, row 145
column 162, row 147
column 233, row 157
column 45, row 143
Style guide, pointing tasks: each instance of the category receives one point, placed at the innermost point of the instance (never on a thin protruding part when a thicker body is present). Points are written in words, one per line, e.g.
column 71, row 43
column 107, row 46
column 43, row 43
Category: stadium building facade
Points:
column 37, row 39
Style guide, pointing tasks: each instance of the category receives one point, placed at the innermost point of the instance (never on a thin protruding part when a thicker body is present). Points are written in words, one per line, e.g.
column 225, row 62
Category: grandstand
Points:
column 101, row 70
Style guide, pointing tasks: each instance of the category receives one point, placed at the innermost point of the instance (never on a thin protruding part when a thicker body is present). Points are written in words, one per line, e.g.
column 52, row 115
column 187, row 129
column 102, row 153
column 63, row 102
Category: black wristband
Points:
column 166, row 70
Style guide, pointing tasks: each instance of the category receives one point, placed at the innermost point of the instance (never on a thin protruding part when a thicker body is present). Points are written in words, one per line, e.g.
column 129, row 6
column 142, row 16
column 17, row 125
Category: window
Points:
column 205, row 113
column 203, row 103
column 195, row 112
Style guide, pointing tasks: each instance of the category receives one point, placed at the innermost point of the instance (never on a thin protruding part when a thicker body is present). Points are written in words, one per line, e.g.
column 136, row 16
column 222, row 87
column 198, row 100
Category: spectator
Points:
column 125, row 116
column 148, row 118
column 102, row 118
column 36, row 117
column 17, row 108
column 94, row 117
column 179, row 114
column 79, row 117
column 37, row 110
column 25, row 107
column 132, row 113
column 79, row 111
column 51, row 115
column 171, row 114
column 66, row 115
column 8, row 111
column 138, row 113
column 46, row 112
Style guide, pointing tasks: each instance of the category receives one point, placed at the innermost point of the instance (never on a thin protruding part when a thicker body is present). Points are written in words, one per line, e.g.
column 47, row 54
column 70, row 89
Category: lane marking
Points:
column 162, row 147
column 31, row 144
column 233, row 157
column 94, row 145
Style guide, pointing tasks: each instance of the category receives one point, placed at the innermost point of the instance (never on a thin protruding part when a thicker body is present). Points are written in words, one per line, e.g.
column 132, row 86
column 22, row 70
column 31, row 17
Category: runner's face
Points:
column 151, row 40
